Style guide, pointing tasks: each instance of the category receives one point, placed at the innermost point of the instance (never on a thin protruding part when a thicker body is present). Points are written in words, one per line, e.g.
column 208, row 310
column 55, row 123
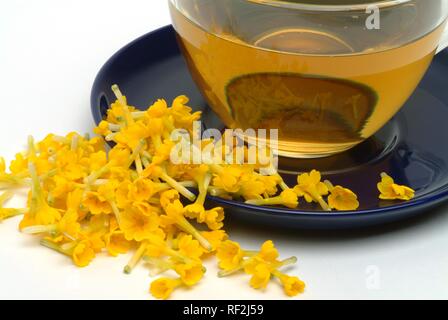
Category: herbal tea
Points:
column 324, row 92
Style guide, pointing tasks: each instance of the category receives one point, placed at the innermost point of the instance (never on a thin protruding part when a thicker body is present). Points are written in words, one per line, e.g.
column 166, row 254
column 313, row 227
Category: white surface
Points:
column 50, row 53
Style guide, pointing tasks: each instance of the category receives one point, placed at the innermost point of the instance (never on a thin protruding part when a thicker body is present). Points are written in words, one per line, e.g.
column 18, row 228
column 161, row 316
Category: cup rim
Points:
column 330, row 7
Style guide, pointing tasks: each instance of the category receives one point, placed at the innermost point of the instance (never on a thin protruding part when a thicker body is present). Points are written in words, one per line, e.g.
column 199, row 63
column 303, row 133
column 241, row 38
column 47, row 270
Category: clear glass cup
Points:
column 327, row 74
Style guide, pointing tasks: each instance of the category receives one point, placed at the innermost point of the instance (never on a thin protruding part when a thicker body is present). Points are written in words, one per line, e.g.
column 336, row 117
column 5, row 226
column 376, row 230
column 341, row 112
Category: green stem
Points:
column 179, row 187
column 136, row 152
column 53, row 246
column 187, row 227
column 40, row 229
column 135, row 258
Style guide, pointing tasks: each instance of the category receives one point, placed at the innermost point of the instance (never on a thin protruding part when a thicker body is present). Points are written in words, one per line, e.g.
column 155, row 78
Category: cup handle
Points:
column 444, row 40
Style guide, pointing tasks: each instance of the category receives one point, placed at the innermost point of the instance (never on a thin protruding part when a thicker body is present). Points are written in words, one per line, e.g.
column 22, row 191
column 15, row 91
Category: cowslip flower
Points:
column 291, row 285
column 202, row 177
column 389, row 190
column 230, row 255
column 158, row 248
column 139, row 222
column 189, row 247
column 67, row 226
column 162, row 288
column 287, row 198
column 228, row 178
column 81, row 252
column 215, row 238
column 214, row 218
column 268, row 255
column 341, row 198
column 116, row 243
column 10, row 180
column 259, row 265
column 182, row 114
column 19, row 164
column 40, row 213
column 174, row 213
column 6, row 213
column 190, row 273
column 261, row 275
column 312, row 189
column 252, row 187
column 96, row 203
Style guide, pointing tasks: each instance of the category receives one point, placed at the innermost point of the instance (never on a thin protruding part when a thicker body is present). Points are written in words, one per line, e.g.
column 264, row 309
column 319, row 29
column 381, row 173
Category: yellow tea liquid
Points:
column 322, row 95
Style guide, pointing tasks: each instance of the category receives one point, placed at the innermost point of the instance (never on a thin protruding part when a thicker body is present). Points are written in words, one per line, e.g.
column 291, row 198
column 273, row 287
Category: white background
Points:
column 50, row 52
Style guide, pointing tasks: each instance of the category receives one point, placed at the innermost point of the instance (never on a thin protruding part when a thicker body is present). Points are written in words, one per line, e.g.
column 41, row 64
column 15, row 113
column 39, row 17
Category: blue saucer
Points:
column 411, row 147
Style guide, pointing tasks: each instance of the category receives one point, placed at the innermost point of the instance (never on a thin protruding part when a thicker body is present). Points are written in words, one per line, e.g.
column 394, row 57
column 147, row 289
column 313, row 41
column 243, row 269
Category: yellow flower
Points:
column 270, row 184
column 292, row 285
column 251, row 187
column 268, row 255
column 312, row 189
column 228, row 179
column 182, row 114
column 96, row 203
column 6, row 213
column 190, row 273
column 83, row 254
column 261, row 276
column 132, row 134
column 158, row 109
column 19, row 164
column 123, row 194
column 97, row 160
column 116, row 243
column 214, row 217
column 342, row 199
column 175, row 215
column 2, row 165
column 143, row 189
column 119, row 156
column 40, row 213
column 169, row 197
column 268, row 252
column 287, row 198
column 163, row 287
column 195, row 211
column 102, row 129
column 69, row 223
column 215, row 238
column 391, row 191
column 73, row 201
column 229, row 255
column 190, row 247
column 60, row 186
column 68, row 162
column 139, row 222
column 107, row 191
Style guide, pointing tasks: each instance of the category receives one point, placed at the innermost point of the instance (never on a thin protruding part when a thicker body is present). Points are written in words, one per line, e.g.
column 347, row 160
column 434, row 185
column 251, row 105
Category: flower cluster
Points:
column 261, row 266
column 86, row 198
column 389, row 190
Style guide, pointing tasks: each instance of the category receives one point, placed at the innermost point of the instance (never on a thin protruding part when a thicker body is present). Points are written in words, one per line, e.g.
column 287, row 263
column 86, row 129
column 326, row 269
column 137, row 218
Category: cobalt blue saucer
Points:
column 411, row 147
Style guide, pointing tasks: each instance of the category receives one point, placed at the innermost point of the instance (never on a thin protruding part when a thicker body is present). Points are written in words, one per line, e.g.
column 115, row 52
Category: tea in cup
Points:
column 326, row 74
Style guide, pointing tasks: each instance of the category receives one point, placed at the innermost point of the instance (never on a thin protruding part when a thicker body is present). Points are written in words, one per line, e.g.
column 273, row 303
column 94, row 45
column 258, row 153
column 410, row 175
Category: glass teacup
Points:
column 326, row 74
